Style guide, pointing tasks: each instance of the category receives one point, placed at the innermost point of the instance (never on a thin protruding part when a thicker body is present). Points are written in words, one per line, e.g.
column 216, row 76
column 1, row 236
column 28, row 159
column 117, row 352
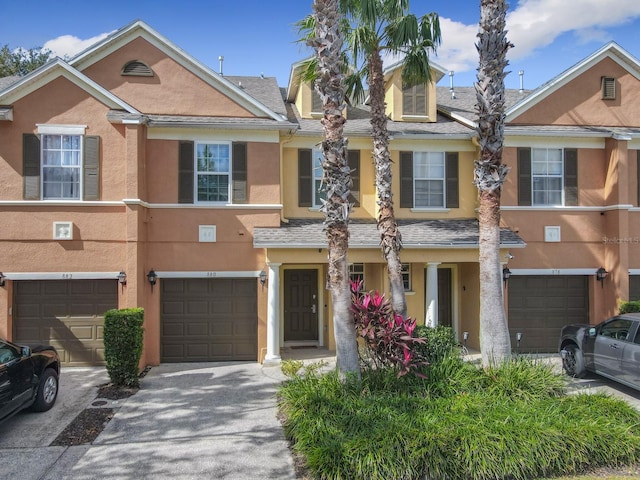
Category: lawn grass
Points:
column 509, row 422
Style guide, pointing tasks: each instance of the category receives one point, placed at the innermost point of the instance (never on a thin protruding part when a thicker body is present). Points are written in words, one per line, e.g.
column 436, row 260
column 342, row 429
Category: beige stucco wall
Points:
column 393, row 100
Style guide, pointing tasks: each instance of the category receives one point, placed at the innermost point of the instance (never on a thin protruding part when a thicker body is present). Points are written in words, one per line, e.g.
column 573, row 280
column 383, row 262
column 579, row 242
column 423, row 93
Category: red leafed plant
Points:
column 388, row 337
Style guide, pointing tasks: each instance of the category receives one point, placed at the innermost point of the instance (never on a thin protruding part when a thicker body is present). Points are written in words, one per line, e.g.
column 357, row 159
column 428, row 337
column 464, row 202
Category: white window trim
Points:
column 443, row 206
column 57, row 130
column 315, row 154
column 196, row 172
column 561, row 176
column 52, row 129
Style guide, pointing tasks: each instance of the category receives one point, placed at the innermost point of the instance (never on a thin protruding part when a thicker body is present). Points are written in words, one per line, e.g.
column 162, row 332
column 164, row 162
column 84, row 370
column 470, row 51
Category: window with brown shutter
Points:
column 91, row 168
column 414, row 100
column 305, row 178
column 353, row 158
column 31, row 166
column 185, row 172
column 239, row 172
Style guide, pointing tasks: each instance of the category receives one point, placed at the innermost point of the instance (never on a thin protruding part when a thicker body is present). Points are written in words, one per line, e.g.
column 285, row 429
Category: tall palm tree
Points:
column 336, row 177
column 489, row 175
column 376, row 27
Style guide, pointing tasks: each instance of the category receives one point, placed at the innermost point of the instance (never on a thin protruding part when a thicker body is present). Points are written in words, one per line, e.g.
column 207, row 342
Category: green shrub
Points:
column 630, row 307
column 123, row 338
column 484, row 425
column 439, row 342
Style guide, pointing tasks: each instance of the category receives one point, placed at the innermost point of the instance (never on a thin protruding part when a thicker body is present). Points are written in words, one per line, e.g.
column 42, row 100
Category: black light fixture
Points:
column 122, row 278
column 152, row 277
column 263, row 277
column 2, row 279
column 506, row 273
column 601, row 274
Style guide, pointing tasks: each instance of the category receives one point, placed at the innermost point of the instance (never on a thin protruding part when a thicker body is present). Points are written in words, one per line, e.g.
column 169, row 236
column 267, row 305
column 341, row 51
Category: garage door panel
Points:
column 67, row 314
column 539, row 306
column 220, row 320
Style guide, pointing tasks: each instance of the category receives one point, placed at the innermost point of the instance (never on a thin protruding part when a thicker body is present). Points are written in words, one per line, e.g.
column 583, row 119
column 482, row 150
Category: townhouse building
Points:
column 135, row 176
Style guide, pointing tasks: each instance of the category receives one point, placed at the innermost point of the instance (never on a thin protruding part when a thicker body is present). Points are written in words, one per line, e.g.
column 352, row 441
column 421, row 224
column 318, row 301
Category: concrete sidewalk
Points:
column 188, row 421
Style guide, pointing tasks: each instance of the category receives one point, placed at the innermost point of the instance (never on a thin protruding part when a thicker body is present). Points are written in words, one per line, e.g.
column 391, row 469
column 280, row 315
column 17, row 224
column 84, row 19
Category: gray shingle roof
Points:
column 8, row 81
column 463, row 103
column 358, row 124
column 263, row 89
column 309, row 233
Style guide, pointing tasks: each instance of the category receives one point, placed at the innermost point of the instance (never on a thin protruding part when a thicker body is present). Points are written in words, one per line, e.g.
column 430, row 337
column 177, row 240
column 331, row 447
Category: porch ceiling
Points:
column 309, row 233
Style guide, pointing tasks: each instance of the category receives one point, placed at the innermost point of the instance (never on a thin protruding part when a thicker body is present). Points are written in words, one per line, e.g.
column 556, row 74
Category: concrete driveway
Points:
column 78, row 387
column 188, row 421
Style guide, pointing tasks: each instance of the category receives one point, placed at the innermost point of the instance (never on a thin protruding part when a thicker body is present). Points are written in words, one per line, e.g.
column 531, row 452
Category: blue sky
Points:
column 258, row 36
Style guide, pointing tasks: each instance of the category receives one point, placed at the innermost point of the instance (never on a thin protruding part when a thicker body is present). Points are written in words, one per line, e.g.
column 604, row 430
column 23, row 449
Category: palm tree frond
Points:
column 306, row 28
column 415, row 67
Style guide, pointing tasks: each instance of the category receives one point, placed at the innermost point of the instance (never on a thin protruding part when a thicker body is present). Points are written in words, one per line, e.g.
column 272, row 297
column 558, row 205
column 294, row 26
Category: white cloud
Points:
column 534, row 24
column 69, row 45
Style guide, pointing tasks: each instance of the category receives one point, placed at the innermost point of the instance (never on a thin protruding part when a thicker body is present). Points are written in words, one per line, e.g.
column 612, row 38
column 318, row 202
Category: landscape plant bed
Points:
column 511, row 422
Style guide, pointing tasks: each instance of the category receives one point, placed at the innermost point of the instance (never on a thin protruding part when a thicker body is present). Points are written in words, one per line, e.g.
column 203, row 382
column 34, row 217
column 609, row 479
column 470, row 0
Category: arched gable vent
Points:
column 137, row 68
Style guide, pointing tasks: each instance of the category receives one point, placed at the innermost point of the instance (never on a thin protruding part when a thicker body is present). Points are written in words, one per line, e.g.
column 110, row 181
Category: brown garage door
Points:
column 539, row 306
column 209, row 320
column 67, row 314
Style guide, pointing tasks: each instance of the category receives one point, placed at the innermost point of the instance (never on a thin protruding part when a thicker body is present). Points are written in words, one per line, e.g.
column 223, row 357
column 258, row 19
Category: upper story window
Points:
column 310, row 187
column 213, row 162
column 61, row 163
column 547, row 176
column 414, row 100
column 429, row 180
column 212, row 172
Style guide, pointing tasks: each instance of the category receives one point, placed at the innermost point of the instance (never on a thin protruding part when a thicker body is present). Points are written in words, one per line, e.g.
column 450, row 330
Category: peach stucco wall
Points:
column 580, row 102
column 173, row 90
column 61, row 102
column 263, row 168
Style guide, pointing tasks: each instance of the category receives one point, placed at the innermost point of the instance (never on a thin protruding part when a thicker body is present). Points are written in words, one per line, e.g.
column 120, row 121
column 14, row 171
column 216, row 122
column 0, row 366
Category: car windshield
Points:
column 8, row 352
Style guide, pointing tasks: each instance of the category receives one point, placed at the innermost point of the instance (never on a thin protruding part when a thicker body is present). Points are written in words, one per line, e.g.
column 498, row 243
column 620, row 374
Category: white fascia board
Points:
column 553, row 271
column 59, row 68
column 209, row 274
column 62, row 275
column 115, row 41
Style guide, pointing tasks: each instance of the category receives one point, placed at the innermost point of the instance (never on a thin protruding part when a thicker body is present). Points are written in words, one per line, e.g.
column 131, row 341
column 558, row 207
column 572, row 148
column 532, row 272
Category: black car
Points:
column 610, row 349
column 28, row 378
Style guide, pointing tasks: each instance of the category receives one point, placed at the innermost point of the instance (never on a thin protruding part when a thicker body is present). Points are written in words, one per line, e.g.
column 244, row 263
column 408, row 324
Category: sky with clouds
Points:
column 259, row 37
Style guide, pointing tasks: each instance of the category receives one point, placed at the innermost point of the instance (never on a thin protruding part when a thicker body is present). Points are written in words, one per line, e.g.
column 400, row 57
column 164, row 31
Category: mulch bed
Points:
column 86, row 427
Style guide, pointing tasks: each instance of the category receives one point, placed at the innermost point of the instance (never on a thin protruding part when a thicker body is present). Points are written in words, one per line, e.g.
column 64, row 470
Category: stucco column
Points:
column 273, row 314
column 431, row 295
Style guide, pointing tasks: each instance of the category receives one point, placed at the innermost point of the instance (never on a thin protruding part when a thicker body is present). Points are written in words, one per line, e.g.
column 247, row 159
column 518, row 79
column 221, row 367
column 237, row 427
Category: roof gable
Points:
column 611, row 51
column 140, row 29
column 59, row 68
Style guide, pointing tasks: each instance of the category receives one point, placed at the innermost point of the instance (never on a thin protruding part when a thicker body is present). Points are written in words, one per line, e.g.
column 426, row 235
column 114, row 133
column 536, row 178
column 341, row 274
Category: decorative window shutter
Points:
column 239, row 172
column 316, row 101
column 451, row 172
column 305, row 178
column 185, row 172
column 31, row 166
column 524, row 176
column 638, row 176
column 570, row 176
column 353, row 160
column 406, row 179
column 91, row 168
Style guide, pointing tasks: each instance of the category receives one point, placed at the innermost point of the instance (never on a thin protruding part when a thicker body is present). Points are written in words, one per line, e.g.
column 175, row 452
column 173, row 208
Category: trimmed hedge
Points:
column 123, row 337
column 630, row 307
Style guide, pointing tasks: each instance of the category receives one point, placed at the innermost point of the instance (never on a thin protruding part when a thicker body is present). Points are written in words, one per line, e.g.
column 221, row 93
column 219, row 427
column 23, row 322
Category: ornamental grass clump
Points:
column 461, row 422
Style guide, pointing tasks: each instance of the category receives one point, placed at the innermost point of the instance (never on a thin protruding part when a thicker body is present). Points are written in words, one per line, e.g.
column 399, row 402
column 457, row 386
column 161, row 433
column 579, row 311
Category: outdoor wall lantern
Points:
column 263, row 277
column 506, row 273
column 601, row 274
column 152, row 277
column 2, row 279
column 122, row 278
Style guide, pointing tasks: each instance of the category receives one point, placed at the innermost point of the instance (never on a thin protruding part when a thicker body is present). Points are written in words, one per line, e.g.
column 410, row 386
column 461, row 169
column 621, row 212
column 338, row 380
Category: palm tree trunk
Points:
column 337, row 179
column 390, row 238
column 489, row 175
